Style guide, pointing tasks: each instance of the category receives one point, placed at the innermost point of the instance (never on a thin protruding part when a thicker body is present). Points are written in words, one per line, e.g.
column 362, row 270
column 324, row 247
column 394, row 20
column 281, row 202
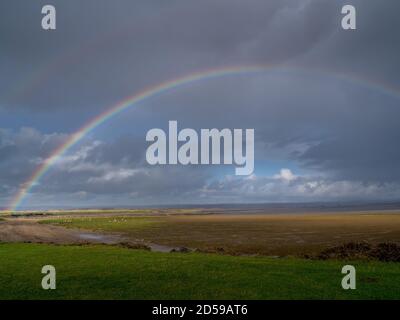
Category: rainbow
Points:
column 152, row 92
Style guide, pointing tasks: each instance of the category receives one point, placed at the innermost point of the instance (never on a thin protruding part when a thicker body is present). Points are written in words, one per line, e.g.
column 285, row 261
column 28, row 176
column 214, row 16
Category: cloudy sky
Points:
column 326, row 116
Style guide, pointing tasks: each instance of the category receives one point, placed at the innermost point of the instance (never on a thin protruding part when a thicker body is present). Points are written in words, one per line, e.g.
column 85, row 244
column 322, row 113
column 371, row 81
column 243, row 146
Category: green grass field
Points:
column 108, row 272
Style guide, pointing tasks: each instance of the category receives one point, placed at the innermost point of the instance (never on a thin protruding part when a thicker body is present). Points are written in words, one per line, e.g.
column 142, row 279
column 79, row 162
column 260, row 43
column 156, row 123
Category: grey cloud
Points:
column 20, row 154
column 141, row 43
column 299, row 189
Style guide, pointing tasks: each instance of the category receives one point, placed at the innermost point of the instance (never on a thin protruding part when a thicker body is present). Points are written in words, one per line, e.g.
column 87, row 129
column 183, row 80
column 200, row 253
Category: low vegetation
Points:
column 385, row 251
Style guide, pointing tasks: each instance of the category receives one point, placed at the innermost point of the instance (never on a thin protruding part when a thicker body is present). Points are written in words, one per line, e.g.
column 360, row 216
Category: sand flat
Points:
column 265, row 234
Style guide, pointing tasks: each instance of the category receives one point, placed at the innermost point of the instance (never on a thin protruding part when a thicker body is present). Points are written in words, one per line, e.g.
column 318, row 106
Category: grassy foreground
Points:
column 106, row 272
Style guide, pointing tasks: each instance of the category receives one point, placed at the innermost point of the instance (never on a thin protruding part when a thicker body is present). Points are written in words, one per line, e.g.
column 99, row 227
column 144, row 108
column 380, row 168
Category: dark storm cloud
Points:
column 371, row 51
column 137, row 43
column 141, row 43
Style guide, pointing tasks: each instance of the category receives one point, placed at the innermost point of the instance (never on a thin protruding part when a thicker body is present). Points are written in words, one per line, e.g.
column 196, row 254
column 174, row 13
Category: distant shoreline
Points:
column 267, row 208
